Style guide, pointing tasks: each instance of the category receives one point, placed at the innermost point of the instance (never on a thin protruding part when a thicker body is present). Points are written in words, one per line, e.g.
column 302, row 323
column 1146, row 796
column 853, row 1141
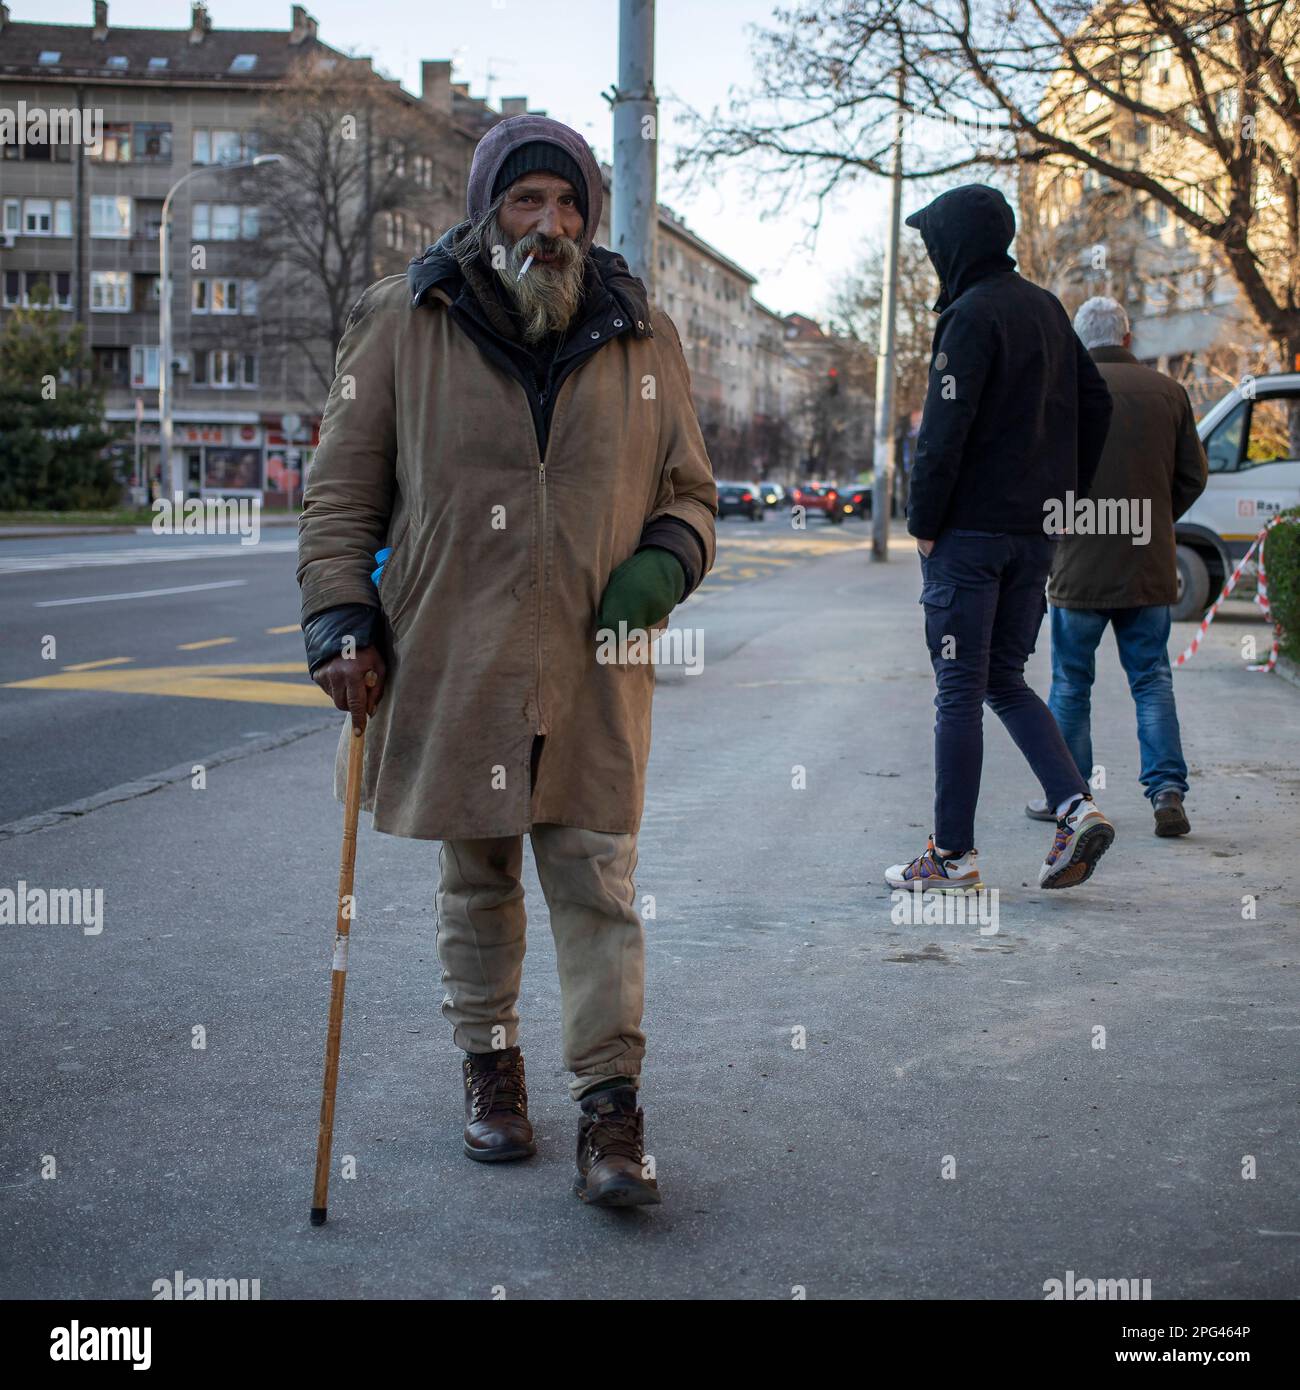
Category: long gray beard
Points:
column 548, row 297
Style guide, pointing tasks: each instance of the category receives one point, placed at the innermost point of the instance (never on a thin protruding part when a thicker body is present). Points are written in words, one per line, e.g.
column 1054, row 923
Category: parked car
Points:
column 773, row 495
column 1254, row 475
column 740, row 499
column 857, row 501
column 820, row 497
column 859, row 498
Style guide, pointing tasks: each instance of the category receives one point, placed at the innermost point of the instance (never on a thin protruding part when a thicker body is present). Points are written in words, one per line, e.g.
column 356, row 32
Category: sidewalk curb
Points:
column 1288, row 670
column 142, row 786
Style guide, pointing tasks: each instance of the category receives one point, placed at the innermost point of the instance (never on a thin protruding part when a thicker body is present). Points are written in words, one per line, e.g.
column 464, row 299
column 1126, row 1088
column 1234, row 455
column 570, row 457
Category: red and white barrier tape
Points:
column 1261, row 598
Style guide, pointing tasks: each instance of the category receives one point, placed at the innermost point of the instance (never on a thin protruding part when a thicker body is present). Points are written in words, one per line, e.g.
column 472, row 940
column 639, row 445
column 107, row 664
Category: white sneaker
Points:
column 1082, row 837
column 937, row 873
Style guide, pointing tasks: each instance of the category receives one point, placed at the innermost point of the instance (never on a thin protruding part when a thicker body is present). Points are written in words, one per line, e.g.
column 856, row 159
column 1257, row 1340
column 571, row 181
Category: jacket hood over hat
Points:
column 504, row 137
column 966, row 233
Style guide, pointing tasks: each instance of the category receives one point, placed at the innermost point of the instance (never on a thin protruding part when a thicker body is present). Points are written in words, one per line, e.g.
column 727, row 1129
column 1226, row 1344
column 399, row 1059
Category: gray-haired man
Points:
column 1116, row 566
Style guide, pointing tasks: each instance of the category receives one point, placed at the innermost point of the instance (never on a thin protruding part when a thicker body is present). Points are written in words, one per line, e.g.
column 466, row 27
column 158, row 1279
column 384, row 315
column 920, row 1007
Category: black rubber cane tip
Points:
column 318, row 1216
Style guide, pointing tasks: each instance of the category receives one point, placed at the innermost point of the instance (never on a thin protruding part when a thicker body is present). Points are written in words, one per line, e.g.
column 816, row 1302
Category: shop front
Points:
column 226, row 454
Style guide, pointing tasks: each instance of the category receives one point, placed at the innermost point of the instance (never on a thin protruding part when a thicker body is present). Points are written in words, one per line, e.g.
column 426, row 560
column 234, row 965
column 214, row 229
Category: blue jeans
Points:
column 984, row 597
column 1142, row 636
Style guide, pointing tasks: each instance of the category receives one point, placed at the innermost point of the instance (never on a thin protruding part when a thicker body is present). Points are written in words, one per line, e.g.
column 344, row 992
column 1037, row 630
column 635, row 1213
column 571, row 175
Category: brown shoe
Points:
column 496, row 1107
column 1171, row 819
column 611, row 1151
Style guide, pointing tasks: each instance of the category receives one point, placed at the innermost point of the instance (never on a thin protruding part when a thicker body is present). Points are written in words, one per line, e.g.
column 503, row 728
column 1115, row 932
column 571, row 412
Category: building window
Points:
column 38, row 215
column 218, row 147
column 62, row 217
column 111, row 365
column 13, row 217
column 148, row 291
column 110, row 217
column 110, row 291
column 249, row 223
column 30, row 289
column 223, row 222
column 153, row 143
column 243, row 62
column 37, row 290
column 223, row 296
column 144, row 366
column 115, row 144
column 148, row 218
column 224, row 369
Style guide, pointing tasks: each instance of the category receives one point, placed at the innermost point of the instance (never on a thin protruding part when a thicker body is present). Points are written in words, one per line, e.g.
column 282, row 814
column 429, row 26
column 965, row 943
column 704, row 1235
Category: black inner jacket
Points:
column 614, row 302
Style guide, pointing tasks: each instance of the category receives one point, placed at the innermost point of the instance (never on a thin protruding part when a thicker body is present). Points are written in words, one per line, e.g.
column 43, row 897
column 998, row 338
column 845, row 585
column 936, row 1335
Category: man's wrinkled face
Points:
column 543, row 207
column 539, row 217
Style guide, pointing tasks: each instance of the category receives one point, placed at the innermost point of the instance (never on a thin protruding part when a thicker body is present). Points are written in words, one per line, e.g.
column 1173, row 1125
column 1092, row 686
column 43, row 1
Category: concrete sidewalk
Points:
column 929, row 1048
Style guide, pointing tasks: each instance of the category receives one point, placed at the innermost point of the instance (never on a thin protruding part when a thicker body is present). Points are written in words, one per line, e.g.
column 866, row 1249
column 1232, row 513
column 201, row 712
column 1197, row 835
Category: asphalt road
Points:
column 949, row 1127
column 97, row 599
column 127, row 654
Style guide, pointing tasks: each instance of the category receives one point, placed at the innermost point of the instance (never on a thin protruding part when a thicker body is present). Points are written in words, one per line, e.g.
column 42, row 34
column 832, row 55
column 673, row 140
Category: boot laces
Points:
column 498, row 1091
column 615, row 1136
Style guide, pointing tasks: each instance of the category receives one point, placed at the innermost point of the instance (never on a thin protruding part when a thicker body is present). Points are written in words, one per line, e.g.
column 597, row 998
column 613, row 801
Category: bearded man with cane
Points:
column 511, row 434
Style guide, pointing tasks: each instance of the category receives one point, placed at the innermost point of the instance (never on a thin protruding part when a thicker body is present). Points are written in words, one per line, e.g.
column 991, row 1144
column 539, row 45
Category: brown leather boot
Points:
column 496, row 1107
column 1171, row 819
column 611, row 1151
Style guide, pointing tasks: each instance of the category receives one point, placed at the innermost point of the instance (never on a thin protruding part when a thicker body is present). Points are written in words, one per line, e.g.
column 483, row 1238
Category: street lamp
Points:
column 168, row 470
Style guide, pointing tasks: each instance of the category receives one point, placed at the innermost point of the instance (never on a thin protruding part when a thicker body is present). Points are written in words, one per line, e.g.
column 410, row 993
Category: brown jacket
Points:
column 499, row 561
column 1152, row 456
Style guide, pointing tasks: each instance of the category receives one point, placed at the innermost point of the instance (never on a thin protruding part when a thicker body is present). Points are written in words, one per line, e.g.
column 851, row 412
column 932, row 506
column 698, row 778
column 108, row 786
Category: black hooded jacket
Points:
column 1015, row 413
column 614, row 302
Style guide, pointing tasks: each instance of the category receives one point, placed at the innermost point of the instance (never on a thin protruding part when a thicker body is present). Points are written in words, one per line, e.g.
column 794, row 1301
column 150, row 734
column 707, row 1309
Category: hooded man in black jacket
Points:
column 1016, row 416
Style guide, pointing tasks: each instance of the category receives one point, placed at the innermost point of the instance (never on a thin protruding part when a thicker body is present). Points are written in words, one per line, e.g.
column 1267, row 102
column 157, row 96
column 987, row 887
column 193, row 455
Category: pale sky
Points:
column 562, row 54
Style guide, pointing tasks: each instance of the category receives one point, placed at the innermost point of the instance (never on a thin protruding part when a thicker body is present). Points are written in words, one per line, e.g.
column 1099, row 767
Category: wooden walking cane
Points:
column 347, row 863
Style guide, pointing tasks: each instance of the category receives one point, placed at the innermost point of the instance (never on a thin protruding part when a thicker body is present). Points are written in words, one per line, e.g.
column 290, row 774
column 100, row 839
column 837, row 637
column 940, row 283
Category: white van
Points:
column 1254, row 475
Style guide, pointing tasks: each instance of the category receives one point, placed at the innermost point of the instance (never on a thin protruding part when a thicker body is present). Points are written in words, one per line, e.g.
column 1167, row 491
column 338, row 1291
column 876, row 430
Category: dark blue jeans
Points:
column 985, row 597
column 1142, row 636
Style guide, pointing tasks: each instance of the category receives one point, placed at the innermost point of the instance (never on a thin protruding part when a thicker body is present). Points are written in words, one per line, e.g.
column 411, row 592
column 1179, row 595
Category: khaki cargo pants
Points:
column 586, row 878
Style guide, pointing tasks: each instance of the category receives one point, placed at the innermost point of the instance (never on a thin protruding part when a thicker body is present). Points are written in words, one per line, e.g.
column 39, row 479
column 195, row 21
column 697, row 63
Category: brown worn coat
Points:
column 1152, row 452
column 499, row 561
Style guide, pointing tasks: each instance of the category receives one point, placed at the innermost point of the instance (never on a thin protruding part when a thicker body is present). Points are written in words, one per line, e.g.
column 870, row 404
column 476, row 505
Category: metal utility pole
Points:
column 635, row 215
column 883, row 483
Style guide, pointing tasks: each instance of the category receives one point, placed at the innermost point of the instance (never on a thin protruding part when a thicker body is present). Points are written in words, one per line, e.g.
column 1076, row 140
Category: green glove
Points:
column 642, row 590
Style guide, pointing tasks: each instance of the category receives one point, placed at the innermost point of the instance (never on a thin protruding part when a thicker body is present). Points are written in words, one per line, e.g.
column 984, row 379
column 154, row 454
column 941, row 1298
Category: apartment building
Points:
column 1087, row 234
column 115, row 118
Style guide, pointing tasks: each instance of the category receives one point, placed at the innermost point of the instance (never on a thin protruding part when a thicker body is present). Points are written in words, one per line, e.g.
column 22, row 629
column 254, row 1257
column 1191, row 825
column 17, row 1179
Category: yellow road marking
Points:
column 292, row 627
column 195, row 682
column 210, row 642
column 93, row 665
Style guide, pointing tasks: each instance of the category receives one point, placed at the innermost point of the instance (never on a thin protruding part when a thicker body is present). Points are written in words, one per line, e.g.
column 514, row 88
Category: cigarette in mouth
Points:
column 523, row 269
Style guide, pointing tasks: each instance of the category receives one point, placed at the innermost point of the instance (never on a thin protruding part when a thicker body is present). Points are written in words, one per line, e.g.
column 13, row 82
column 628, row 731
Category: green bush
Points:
column 1282, row 565
column 55, row 450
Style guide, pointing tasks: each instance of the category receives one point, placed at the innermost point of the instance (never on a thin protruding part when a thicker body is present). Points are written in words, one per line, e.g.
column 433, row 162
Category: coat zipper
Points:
column 542, row 397
column 541, row 582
